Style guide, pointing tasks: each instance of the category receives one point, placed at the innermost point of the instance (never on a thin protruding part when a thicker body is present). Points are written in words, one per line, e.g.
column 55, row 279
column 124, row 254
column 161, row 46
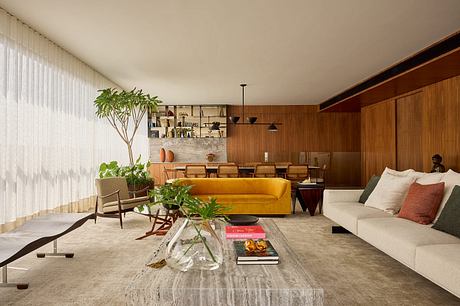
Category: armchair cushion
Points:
column 125, row 204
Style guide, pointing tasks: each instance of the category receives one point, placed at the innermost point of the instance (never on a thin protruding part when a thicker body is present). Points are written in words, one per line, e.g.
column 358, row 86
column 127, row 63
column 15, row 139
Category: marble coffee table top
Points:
column 284, row 284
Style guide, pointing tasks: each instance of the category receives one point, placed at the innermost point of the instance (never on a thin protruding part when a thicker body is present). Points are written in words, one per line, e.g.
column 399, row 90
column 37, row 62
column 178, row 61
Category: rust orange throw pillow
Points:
column 422, row 202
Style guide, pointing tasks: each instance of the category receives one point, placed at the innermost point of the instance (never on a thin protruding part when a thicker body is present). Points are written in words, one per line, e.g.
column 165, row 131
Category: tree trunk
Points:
column 130, row 153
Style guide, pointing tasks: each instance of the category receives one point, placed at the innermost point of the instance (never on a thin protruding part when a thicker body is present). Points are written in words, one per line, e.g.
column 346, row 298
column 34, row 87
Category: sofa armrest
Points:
column 341, row 195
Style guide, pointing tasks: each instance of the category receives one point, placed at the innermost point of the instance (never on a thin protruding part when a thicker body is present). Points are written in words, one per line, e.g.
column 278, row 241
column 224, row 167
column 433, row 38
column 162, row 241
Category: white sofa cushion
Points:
column 441, row 264
column 399, row 173
column 341, row 195
column 390, row 192
column 347, row 214
column 399, row 237
column 428, row 178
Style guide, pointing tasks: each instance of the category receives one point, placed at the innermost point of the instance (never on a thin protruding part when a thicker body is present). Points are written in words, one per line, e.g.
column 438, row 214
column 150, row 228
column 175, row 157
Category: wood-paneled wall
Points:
column 416, row 127
column 378, row 143
column 303, row 129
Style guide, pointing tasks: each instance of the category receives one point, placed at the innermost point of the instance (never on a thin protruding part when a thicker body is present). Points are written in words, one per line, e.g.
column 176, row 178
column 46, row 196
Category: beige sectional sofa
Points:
column 431, row 253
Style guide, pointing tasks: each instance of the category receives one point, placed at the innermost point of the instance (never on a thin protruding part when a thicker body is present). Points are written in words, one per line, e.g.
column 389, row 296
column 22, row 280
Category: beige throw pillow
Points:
column 390, row 192
column 398, row 173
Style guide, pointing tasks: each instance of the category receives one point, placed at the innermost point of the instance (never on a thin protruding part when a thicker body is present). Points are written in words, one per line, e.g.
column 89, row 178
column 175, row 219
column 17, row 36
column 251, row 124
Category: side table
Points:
column 309, row 196
column 163, row 217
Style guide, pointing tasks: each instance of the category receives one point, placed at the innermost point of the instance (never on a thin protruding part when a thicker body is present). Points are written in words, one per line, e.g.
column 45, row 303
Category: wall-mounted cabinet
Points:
column 188, row 121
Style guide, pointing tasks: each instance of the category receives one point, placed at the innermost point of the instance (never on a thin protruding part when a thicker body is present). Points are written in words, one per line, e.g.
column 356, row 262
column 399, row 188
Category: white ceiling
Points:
column 193, row 52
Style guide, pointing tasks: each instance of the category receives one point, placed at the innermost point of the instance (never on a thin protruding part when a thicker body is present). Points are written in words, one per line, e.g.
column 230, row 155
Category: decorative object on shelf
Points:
column 251, row 120
column 210, row 157
column 198, row 121
column 121, row 108
column 437, row 166
column 162, row 155
column 215, row 126
column 169, row 156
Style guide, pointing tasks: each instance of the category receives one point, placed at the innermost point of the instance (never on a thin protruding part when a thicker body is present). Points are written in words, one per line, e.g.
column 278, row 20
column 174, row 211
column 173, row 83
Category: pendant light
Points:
column 272, row 128
column 250, row 120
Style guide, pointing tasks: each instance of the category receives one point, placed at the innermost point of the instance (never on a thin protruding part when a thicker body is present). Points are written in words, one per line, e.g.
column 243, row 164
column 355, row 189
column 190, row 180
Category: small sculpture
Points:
column 255, row 246
column 437, row 166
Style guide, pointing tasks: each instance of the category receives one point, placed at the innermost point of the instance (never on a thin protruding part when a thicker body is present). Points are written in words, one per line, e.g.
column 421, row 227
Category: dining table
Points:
column 280, row 169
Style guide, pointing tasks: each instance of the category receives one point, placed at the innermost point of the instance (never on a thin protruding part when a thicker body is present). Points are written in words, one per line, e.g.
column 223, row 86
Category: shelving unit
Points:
column 187, row 121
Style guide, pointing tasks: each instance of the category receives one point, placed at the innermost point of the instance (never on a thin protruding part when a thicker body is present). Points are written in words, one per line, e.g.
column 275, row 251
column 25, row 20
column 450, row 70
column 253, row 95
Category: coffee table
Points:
column 284, row 284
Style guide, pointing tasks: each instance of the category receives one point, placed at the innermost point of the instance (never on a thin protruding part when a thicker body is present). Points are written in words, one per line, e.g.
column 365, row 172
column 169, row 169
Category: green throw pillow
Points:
column 369, row 188
column 449, row 220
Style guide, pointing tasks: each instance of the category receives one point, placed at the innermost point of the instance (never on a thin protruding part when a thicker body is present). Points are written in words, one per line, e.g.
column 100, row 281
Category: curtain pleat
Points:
column 51, row 143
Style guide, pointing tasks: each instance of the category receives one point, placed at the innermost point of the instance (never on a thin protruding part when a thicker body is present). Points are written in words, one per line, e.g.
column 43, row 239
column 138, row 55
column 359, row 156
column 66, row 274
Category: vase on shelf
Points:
column 196, row 246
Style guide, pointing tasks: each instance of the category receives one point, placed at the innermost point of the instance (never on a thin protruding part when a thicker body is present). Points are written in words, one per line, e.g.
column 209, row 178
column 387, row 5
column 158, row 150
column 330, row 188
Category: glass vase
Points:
column 195, row 246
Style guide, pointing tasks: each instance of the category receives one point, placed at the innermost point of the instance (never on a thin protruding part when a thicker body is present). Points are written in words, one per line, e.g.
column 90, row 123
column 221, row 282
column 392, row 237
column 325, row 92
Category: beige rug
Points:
column 351, row 271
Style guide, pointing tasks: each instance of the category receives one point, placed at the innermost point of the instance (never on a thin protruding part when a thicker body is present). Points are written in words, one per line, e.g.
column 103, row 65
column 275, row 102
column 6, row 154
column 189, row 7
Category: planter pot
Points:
column 171, row 206
column 195, row 246
column 136, row 187
column 162, row 155
column 169, row 156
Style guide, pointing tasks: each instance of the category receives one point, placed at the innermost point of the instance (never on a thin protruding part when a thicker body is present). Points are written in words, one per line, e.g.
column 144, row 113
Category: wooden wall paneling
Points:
column 441, row 123
column 378, row 138
column 409, row 152
column 303, row 129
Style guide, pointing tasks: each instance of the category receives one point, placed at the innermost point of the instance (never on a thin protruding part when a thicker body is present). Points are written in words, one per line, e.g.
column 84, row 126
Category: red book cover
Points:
column 244, row 232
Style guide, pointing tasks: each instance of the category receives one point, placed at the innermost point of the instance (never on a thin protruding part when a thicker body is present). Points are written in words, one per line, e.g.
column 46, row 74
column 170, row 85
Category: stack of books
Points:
column 267, row 257
column 244, row 232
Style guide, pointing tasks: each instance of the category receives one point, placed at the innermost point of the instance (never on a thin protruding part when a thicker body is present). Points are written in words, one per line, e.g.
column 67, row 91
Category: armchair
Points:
column 113, row 198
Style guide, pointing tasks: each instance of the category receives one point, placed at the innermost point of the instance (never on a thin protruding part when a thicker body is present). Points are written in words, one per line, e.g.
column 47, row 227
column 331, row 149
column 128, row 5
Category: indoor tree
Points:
column 124, row 110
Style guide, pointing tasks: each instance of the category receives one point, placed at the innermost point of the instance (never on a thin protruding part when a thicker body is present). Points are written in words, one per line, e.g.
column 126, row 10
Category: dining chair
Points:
column 321, row 179
column 194, row 171
column 297, row 173
column 282, row 168
column 227, row 170
column 265, row 170
column 113, row 198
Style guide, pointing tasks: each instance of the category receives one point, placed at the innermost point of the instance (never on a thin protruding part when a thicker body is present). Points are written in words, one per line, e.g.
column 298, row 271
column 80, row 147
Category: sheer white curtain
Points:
column 51, row 143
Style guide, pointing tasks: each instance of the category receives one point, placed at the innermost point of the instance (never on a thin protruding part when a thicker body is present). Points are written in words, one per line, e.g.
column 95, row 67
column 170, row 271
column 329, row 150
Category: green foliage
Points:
column 121, row 103
column 136, row 175
column 206, row 210
column 124, row 110
column 171, row 195
column 177, row 195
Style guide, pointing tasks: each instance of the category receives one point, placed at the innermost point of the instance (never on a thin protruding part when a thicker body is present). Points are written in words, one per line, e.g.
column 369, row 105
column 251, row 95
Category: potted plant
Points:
column 171, row 196
column 137, row 175
column 196, row 245
column 124, row 110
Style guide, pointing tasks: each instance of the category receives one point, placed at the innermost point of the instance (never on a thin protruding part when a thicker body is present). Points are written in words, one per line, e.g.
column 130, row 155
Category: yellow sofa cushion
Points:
column 250, row 199
column 260, row 196
column 269, row 186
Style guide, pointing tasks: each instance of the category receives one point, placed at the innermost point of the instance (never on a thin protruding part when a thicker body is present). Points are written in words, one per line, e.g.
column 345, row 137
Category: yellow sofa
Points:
column 255, row 196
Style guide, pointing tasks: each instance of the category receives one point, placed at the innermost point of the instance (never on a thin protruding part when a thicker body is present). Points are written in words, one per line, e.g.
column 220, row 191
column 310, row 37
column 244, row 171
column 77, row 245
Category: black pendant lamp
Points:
column 250, row 120
column 272, row 128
